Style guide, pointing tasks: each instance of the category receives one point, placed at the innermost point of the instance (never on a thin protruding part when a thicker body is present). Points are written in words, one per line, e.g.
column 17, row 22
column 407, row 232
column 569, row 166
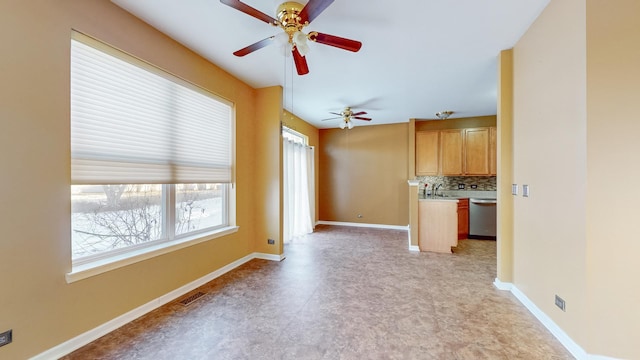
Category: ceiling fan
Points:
column 347, row 115
column 292, row 17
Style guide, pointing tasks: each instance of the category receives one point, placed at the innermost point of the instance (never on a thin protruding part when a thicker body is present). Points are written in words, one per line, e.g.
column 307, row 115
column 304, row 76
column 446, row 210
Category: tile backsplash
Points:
column 483, row 183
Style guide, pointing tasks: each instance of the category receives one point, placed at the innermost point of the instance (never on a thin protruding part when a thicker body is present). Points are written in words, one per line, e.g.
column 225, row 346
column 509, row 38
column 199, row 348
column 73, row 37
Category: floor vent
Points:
column 189, row 300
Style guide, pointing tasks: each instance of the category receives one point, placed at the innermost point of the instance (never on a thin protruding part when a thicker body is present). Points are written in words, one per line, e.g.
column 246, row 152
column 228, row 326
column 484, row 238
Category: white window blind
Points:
column 130, row 125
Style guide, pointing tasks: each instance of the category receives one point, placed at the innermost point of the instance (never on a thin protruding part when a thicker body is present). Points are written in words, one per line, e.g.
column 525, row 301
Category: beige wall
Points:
column 266, row 187
column 613, row 94
column 292, row 121
column 575, row 142
column 550, row 156
column 36, row 302
column 504, row 238
column 575, row 91
column 364, row 171
column 549, row 137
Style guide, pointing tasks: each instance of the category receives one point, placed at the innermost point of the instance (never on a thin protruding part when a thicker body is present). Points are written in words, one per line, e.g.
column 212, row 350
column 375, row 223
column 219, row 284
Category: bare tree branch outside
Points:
column 108, row 217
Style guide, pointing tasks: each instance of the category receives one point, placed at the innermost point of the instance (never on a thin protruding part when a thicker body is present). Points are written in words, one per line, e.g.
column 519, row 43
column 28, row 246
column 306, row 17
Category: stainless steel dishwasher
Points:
column 482, row 218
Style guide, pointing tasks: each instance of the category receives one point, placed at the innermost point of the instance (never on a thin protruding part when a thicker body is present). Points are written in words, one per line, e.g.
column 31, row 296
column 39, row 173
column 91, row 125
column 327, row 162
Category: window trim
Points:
column 305, row 138
column 116, row 261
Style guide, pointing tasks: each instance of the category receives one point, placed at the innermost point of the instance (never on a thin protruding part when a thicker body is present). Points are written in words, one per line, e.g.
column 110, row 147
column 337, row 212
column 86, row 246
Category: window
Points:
column 298, row 184
column 112, row 219
column 296, row 137
column 151, row 156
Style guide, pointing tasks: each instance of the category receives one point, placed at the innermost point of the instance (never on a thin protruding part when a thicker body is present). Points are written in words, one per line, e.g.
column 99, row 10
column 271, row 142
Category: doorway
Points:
column 298, row 185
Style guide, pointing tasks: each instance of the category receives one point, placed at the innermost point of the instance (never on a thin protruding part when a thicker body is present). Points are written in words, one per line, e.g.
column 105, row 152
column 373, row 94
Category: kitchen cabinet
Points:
column 437, row 225
column 476, row 151
column 493, row 151
column 456, row 152
column 451, row 147
column 463, row 218
column 427, row 152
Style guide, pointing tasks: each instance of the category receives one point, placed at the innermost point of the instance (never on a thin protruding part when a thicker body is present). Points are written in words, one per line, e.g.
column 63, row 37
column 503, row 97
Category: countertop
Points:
column 452, row 195
column 421, row 197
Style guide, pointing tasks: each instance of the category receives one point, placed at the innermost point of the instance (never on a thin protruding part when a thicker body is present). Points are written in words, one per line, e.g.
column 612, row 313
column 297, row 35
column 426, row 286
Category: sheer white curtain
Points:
column 299, row 189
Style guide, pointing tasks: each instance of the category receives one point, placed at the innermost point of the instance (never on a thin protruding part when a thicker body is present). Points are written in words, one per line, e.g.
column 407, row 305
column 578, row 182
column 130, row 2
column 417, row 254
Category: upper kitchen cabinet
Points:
column 493, row 151
column 476, row 153
column 451, row 152
column 456, row 152
column 427, row 152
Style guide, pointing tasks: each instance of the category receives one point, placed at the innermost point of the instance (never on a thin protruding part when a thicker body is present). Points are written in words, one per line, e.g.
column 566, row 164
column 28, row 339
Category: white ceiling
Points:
column 418, row 56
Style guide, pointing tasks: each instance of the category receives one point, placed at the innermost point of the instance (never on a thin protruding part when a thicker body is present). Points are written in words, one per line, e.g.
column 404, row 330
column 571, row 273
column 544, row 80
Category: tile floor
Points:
column 343, row 293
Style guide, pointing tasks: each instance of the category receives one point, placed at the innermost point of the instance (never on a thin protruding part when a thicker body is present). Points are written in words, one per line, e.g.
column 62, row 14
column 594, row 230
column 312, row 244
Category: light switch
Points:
column 525, row 190
column 514, row 189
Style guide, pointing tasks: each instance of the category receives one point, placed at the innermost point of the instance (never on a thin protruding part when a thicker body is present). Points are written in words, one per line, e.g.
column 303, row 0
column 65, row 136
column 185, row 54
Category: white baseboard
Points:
column 83, row 339
column 411, row 247
column 271, row 257
column 378, row 226
column 576, row 350
column 502, row 285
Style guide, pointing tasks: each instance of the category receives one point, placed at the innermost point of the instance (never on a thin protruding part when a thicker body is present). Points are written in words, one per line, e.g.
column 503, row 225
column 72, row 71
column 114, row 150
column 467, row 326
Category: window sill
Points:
column 97, row 267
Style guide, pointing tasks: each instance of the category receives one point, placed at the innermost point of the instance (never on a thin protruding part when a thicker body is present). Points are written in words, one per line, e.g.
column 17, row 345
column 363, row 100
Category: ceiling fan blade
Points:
column 313, row 9
column 240, row 6
column 361, row 118
column 336, row 41
column 333, row 118
column 301, row 62
column 359, row 113
column 253, row 47
column 335, row 113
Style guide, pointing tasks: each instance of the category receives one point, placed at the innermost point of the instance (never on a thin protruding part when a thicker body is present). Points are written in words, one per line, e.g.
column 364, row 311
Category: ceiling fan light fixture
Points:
column 299, row 38
column 443, row 115
column 350, row 125
column 282, row 38
column 343, row 124
column 303, row 49
column 282, row 42
column 300, row 41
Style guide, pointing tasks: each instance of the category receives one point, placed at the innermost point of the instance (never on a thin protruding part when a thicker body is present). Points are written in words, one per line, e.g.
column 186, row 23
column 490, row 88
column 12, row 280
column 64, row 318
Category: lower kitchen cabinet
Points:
column 463, row 218
column 437, row 225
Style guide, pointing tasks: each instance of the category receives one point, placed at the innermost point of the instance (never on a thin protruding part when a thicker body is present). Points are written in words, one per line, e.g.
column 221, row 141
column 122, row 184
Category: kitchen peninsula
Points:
column 437, row 224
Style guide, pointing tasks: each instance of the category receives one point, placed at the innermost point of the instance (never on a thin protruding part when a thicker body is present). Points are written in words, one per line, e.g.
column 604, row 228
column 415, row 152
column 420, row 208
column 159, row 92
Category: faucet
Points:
column 435, row 189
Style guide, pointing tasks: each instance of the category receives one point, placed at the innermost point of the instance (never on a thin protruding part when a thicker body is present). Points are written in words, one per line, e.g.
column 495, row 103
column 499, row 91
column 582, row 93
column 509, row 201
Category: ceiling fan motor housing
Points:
column 288, row 14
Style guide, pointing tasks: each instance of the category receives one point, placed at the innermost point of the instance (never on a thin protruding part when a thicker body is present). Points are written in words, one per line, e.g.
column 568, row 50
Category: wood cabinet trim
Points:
column 456, row 152
column 476, row 151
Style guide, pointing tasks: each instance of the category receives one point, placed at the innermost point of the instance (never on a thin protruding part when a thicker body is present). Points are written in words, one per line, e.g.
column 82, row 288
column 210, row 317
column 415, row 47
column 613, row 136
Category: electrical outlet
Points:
column 271, row 241
column 514, row 189
column 474, row 186
column 525, row 190
column 6, row 337
column 460, row 186
column 560, row 303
